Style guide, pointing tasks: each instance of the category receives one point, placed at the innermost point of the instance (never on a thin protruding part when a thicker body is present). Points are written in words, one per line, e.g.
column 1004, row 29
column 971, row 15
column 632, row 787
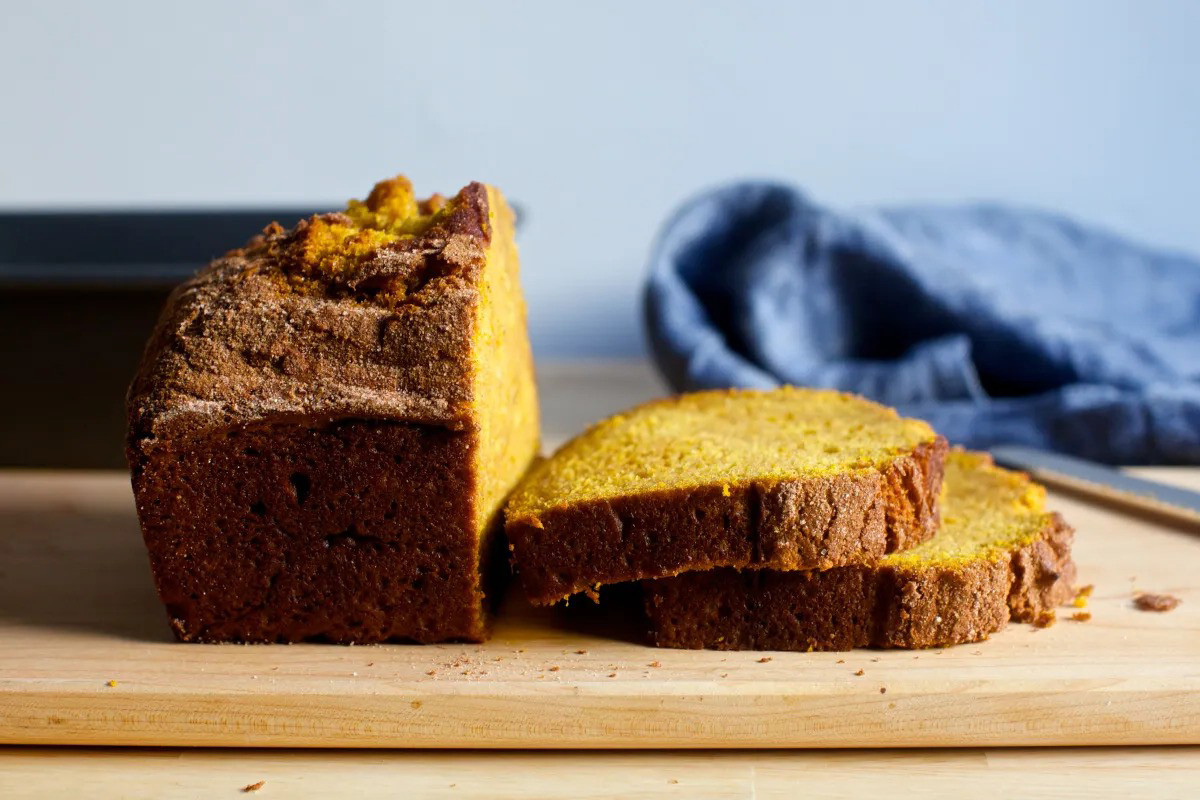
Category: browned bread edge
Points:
column 811, row 523
column 862, row 606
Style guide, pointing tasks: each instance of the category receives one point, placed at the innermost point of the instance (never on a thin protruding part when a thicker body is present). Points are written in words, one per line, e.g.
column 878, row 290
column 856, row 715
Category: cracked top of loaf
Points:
column 362, row 313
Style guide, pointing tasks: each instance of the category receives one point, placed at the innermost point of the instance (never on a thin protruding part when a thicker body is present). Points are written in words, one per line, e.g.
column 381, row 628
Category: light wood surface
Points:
column 163, row 774
column 86, row 659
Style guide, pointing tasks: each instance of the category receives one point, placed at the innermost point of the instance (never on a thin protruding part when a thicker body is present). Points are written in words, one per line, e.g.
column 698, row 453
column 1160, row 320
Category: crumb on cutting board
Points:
column 111, row 683
column 1081, row 616
column 253, row 787
column 1147, row 601
column 1045, row 619
column 861, row 672
column 764, row 659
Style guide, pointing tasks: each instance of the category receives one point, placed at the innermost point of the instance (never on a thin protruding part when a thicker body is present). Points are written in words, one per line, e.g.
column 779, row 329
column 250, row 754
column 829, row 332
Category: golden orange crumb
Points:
column 764, row 659
column 253, row 787
column 654, row 664
column 1045, row 619
column 111, row 683
column 1081, row 616
column 861, row 672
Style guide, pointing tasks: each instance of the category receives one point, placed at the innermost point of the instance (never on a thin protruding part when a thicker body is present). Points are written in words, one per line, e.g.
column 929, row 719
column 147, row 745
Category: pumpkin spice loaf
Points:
column 788, row 478
column 998, row 556
column 325, row 424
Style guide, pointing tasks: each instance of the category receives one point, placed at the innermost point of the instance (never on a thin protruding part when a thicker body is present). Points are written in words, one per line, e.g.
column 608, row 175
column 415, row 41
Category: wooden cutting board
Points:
column 85, row 658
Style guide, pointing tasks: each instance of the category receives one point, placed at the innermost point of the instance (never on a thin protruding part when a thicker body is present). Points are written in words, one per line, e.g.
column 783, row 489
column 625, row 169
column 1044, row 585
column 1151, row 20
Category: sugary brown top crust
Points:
column 261, row 333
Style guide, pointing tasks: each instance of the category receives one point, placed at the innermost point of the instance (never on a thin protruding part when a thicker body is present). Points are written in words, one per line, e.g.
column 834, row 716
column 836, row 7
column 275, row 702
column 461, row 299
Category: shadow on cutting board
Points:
column 90, row 575
column 618, row 615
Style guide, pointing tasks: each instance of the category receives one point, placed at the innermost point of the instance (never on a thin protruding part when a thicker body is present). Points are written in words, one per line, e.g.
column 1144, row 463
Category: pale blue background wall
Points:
column 599, row 117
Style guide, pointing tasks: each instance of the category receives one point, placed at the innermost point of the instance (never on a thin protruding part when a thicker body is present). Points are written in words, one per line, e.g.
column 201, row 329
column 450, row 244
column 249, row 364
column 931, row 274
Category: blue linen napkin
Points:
column 995, row 324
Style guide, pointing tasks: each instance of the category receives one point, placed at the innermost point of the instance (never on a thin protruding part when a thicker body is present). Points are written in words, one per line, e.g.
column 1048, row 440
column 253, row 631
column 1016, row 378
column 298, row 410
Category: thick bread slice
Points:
column 999, row 555
column 788, row 479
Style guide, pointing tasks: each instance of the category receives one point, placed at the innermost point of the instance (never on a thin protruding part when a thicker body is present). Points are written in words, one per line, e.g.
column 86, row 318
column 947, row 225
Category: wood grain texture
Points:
column 164, row 774
column 77, row 610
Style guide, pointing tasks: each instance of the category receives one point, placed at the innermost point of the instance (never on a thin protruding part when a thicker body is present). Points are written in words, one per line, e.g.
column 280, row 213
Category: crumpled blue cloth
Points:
column 995, row 324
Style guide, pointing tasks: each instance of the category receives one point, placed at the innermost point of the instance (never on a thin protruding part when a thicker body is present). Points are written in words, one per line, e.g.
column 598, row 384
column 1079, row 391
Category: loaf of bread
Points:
column 790, row 479
column 326, row 422
column 998, row 556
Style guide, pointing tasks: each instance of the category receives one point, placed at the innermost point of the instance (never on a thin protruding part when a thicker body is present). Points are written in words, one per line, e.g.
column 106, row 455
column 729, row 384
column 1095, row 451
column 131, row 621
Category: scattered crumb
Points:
column 1045, row 619
column 612, row 674
column 111, row 683
column 555, row 668
column 655, row 664
column 764, row 659
column 415, row 704
column 724, row 674
column 1081, row 616
column 253, row 787
column 874, row 660
column 1155, row 602
column 861, row 672
column 883, row 690
column 672, row 781
column 431, row 672
column 581, row 652
column 841, row 661
column 370, row 663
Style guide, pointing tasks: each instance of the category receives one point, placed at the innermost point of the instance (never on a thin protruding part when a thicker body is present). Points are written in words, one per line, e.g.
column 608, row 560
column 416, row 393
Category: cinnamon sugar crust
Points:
column 253, row 335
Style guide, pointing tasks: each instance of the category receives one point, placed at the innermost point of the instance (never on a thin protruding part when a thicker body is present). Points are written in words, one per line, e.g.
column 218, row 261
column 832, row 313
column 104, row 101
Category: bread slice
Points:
column 998, row 556
column 326, row 422
column 789, row 478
